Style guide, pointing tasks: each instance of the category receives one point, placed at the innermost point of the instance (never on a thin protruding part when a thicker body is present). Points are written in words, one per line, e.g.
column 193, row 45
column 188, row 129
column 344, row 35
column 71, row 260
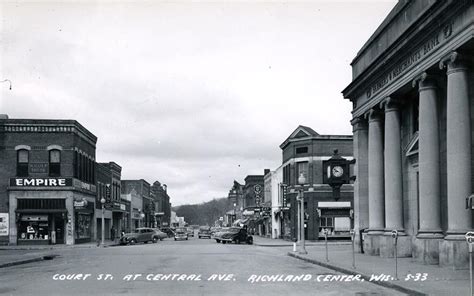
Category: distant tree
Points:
column 204, row 213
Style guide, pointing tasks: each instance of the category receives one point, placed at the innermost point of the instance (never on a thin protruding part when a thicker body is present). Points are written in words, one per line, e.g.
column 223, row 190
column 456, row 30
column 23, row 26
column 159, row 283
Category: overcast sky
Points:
column 193, row 95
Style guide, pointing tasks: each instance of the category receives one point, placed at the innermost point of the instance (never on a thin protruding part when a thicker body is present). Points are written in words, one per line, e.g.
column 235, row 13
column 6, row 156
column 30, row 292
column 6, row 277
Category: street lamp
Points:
column 102, row 201
column 142, row 215
column 301, row 182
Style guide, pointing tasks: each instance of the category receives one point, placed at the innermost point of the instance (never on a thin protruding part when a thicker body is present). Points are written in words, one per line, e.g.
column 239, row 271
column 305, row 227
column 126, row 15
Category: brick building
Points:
column 162, row 204
column 47, row 191
column 115, row 214
column 142, row 214
column 303, row 153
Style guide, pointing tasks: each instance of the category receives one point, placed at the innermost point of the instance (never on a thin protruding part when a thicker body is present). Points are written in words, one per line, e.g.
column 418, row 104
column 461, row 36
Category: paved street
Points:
column 232, row 265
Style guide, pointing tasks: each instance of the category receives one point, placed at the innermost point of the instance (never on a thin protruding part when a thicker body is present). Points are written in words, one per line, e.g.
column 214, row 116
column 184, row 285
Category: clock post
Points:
column 336, row 172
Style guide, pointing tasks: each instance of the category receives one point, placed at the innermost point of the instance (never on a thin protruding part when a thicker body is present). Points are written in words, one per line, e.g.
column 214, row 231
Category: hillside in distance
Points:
column 204, row 213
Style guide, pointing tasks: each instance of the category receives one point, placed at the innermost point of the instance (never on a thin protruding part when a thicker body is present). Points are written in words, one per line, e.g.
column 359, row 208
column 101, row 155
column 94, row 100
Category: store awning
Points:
column 41, row 211
column 334, row 204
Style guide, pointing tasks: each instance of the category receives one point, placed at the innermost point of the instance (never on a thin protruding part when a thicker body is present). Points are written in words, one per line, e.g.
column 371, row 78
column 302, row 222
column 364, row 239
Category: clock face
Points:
column 337, row 171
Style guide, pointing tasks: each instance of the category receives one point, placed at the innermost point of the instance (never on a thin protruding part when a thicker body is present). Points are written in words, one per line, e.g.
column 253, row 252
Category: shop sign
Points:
column 39, row 168
column 248, row 213
column 3, row 224
column 40, row 182
column 123, row 207
column 80, row 204
column 34, row 218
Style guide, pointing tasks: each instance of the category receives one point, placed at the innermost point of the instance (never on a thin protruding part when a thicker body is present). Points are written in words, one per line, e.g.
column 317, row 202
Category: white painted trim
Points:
column 54, row 147
column 311, row 158
column 21, row 147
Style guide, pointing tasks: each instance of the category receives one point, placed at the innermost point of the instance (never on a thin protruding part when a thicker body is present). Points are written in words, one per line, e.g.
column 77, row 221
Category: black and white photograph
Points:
column 236, row 147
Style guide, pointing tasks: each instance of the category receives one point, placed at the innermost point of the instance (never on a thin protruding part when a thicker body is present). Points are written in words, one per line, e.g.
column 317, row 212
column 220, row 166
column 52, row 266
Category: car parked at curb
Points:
column 161, row 235
column 143, row 234
column 236, row 235
column 168, row 231
column 217, row 234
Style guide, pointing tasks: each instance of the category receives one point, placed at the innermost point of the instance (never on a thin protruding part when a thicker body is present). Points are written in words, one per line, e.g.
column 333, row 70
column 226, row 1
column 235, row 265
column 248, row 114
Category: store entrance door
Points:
column 59, row 227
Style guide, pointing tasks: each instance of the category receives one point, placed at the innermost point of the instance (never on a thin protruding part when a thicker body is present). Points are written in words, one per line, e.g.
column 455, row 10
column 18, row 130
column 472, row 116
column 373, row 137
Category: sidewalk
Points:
column 268, row 242
column 16, row 255
column 439, row 281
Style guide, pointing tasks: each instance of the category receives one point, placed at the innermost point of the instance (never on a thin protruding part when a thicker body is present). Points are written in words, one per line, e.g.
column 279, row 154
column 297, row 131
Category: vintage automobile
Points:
column 218, row 233
column 204, row 231
column 168, row 231
column 236, row 235
column 180, row 233
column 190, row 231
column 161, row 235
column 140, row 235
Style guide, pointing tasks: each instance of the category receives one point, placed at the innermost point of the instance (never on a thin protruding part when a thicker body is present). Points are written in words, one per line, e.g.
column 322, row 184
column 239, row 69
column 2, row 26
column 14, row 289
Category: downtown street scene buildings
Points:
column 386, row 210
column 52, row 187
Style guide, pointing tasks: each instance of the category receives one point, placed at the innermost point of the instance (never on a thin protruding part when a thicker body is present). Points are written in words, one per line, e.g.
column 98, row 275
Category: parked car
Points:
column 204, row 232
column 180, row 233
column 190, row 231
column 168, row 231
column 217, row 234
column 236, row 235
column 140, row 235
column 161, row 235
column 214, row 230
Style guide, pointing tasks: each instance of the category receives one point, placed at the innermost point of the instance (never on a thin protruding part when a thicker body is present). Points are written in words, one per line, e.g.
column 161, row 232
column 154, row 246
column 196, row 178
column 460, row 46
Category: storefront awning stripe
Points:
column 41, row 211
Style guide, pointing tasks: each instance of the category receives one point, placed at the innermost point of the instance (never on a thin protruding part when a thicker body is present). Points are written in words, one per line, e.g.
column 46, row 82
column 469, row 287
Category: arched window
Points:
column 54, row 163
column 23, row 158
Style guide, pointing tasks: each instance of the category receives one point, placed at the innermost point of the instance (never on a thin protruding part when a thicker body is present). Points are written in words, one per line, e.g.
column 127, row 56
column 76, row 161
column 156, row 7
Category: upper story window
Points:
column 23, row 158
column 301, row 150
column 302, row 168
column 54, row 163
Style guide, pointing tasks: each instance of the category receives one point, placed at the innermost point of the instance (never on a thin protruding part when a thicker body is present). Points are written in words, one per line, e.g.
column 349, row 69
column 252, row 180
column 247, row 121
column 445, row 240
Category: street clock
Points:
column 336, row 172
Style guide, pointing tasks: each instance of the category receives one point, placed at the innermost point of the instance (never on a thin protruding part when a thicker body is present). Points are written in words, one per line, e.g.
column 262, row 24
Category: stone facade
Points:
column 412, row 94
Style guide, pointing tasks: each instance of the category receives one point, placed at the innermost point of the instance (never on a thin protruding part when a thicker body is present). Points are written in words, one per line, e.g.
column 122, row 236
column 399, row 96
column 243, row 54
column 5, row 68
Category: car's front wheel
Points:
column 133, row 241
column 155, row 240
column 218, row 241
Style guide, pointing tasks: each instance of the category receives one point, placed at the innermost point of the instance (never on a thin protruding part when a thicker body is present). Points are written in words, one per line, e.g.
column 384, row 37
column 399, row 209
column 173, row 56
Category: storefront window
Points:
column 83, row 225
column 33, row 227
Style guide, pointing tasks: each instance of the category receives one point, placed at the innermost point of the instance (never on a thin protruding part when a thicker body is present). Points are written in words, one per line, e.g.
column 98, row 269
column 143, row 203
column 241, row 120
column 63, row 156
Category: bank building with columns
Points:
column 412, row 91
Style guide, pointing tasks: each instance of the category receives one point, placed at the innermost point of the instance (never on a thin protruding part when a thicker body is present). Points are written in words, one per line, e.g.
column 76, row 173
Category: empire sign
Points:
column 40, row 182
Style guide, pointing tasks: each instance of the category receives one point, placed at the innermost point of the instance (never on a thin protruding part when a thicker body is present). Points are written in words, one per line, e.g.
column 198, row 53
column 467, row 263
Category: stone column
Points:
column 429, row 233
column 393, row 168
column 361, row 187
column 393, row 183
column 458, row 161
column 376, row 182
column 428, row 159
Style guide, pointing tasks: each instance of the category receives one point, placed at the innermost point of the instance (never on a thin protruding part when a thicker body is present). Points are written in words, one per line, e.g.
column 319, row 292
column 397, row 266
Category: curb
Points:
column 365, row 277
column 14, row 263
column 56, row 248
column 291, row 245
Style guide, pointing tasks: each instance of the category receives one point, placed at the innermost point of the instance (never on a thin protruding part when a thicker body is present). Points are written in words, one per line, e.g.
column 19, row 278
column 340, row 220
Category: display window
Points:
column 83, row 225
column 34, row 227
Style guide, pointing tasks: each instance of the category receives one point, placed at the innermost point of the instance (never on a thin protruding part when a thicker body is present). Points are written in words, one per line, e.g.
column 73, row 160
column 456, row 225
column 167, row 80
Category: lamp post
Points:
column 301, row 182
column 102, row 201
column 142, row 215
